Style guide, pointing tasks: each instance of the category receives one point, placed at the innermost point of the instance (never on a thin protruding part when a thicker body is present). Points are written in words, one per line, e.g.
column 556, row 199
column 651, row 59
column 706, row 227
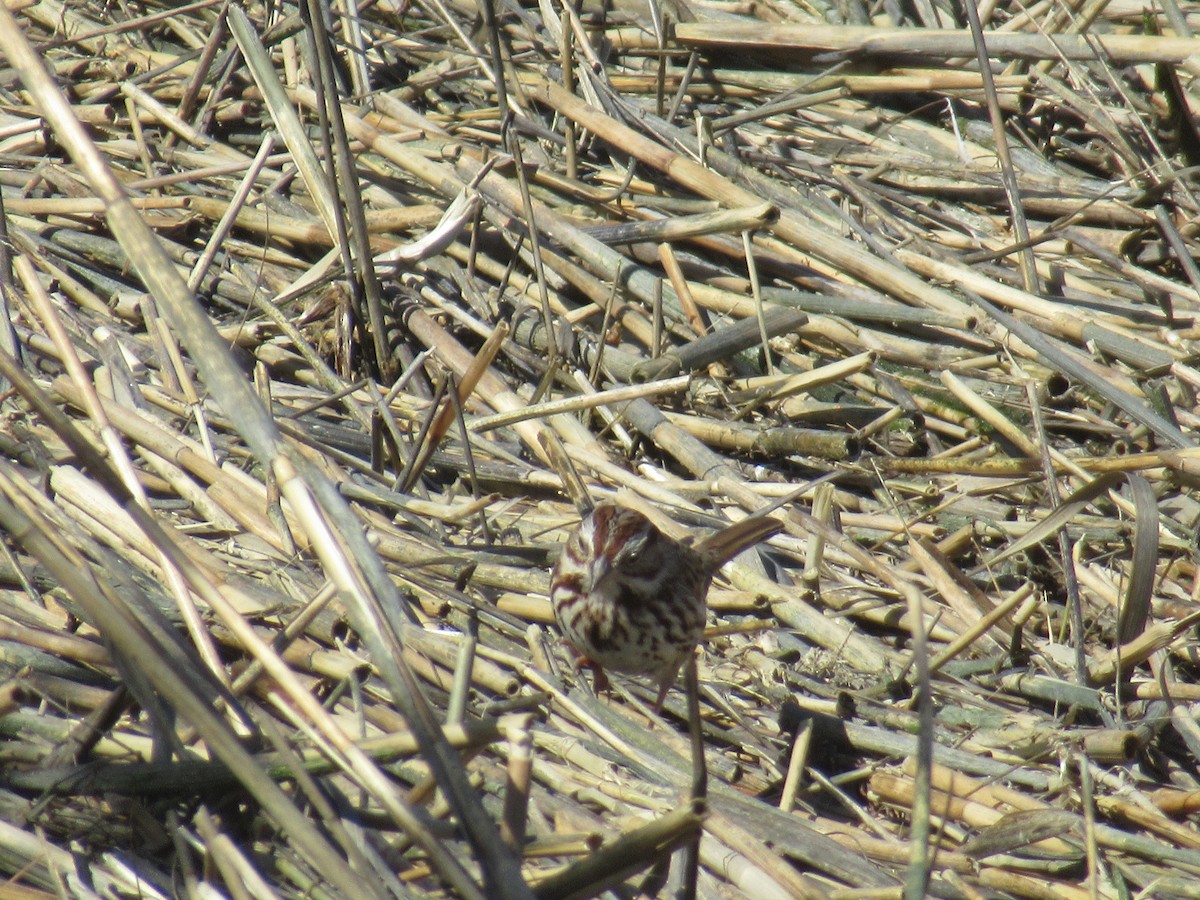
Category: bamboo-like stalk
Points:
column 682, row 227
column 770, row 441
column 921, row 44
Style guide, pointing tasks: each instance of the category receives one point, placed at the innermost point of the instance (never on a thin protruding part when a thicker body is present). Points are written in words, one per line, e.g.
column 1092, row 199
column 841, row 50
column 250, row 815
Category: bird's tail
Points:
column 721, row 546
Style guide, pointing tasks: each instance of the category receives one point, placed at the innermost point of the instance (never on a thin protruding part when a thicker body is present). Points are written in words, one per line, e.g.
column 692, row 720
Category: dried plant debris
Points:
column 324, row 324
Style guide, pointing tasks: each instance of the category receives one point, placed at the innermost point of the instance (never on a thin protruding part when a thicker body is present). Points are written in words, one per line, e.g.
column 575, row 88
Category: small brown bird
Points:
column 631, row 599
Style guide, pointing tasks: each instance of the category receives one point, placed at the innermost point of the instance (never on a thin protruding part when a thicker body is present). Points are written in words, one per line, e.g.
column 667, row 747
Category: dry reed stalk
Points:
column 924, row 43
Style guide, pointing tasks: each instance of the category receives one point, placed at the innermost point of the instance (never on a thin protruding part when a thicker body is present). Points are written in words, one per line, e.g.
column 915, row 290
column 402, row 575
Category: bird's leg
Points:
column 663, row 690
column 580, row 661
column 600, row 684
column 665, row 683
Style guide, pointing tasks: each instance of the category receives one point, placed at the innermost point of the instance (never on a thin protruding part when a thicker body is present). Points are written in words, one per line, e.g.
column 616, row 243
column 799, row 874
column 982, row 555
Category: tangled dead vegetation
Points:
column 323, row 322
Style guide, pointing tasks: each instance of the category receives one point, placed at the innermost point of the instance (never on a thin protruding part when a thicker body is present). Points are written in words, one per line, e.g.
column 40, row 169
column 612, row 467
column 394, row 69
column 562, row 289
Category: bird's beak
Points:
column 599, row 569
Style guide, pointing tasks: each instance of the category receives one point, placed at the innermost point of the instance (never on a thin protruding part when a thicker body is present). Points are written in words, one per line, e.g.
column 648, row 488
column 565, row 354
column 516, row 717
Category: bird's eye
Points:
column 633, row 550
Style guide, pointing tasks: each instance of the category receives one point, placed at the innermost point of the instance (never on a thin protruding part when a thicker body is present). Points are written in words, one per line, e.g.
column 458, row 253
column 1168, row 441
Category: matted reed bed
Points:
column 324, row 323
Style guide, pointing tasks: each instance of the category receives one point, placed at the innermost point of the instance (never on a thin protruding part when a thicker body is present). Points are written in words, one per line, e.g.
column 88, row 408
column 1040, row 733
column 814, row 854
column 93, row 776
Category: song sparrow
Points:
column 631, row 599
